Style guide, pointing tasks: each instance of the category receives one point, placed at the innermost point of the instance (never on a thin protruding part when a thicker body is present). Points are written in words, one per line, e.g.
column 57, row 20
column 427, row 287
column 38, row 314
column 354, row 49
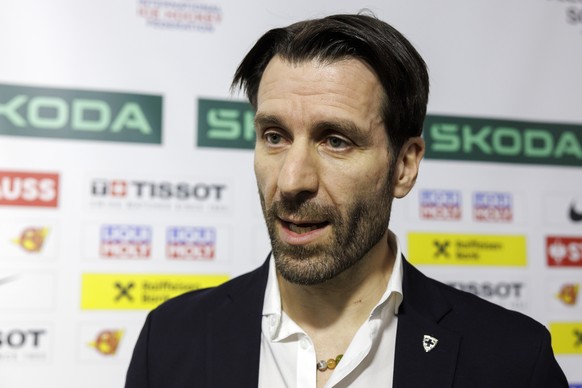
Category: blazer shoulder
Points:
column 478, row 313
column 462, row 311
column 207, row 299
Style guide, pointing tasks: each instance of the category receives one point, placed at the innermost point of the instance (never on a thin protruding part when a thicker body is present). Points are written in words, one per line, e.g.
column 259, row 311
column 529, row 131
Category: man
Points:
column 340, row 104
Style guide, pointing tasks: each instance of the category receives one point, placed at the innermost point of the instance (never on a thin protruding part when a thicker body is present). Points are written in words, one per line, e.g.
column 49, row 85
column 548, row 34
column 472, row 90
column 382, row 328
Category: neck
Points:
column 344, row 302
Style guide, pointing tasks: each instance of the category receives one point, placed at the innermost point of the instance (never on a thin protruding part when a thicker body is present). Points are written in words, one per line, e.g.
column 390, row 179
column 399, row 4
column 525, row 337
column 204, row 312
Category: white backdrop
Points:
column 70, row 312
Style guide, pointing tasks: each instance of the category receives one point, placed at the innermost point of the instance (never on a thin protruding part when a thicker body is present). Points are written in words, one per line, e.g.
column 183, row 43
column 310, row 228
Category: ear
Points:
column 407, row 166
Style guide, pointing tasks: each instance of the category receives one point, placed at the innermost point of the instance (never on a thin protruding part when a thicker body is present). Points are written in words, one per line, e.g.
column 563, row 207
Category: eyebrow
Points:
column 262, row 120
column 346, row 127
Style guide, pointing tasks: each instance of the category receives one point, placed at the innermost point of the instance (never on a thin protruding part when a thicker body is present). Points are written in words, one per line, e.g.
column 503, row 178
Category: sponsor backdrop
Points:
column 126, row 166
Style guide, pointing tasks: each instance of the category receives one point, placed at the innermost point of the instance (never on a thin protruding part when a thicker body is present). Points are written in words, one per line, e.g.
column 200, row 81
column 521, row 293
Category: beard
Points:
column 353, row 234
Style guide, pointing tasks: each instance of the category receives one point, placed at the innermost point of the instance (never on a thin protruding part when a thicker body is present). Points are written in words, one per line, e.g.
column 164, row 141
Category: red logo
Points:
column 107, row 342
column 564, row 251
column 29, row 189
column 569, row 294
column 32, row 239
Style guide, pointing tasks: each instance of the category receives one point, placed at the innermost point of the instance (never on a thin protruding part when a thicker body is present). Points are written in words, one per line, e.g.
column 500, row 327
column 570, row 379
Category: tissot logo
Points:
column 492, row 207
column 440, row 204
column 184, row 195
column 510, row 294
column 80, row 114
column 564, row 251
column 161, row 190
column 23, row 344
column 126, row 241
column 190, row 243
column 490, row 140
column 225, row 124
column 34, row 189
column 488, row 289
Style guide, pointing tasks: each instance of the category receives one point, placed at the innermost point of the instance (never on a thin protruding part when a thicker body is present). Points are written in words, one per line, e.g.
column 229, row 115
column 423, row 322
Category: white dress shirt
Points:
column 288, row 356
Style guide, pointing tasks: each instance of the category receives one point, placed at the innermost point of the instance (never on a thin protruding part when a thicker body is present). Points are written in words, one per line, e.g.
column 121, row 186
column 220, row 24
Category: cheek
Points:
column 265, row 176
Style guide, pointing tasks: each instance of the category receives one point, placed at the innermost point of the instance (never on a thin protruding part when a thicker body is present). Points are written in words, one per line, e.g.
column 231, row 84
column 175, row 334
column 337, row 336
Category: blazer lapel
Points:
column 234, row 339
column 421, row 310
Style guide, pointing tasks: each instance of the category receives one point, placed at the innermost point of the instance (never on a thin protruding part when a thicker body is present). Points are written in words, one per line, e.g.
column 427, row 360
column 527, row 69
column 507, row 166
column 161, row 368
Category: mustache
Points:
column 304, row 210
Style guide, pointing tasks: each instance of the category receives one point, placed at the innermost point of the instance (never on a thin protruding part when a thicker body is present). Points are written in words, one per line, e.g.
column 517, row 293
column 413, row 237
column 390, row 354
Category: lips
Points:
column 304, row 227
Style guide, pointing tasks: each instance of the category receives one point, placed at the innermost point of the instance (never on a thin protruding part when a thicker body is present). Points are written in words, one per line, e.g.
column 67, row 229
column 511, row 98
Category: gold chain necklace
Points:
column 323, row 365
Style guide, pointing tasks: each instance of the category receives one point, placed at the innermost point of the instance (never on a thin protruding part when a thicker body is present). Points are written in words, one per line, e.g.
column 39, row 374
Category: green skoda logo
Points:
column 489, row 140
column 226, row 124
column 80, row 114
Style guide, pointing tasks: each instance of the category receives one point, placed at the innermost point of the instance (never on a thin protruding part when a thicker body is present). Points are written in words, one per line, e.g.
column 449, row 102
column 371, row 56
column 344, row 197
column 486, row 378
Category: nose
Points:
column 298, row 175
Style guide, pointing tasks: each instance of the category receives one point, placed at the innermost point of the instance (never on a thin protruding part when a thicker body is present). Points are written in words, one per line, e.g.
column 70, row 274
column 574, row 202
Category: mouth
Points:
column 303, row 227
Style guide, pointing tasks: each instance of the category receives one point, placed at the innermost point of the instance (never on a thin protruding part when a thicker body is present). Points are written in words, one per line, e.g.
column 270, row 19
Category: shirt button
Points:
column 304, row 343
column 273, row 320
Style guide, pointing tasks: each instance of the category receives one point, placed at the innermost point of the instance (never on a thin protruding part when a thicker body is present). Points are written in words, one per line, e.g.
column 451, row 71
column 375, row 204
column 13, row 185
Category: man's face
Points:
column 322, row 164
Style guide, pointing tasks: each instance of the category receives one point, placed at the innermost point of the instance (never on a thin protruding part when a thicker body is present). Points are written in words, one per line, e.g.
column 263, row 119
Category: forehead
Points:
column 312, row 90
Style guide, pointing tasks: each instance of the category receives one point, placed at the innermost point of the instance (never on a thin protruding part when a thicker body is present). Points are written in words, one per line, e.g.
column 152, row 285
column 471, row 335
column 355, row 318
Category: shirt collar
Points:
column 272, row 303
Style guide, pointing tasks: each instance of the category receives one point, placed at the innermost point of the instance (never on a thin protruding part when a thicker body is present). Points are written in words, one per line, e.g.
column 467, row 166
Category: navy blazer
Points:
column 211, row 338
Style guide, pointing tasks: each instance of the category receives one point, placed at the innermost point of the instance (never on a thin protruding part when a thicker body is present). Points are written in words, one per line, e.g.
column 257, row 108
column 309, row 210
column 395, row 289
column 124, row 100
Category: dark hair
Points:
column 399, row 67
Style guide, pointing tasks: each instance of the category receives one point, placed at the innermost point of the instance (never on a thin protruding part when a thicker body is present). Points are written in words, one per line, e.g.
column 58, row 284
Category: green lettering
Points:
column 223, row 124
column 568, row 144
column 9, row 110
column 59, row 106
column 249, row 125
column 478, row 139
column 511, row 147
column 538, row 143
column 445, row 137
column 81, row 123
column 132, row 117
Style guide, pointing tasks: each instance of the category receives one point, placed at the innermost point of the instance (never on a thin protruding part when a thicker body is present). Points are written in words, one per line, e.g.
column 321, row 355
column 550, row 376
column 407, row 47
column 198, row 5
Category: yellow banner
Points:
column 566, row 337
column 138, row 291
column 466, row 249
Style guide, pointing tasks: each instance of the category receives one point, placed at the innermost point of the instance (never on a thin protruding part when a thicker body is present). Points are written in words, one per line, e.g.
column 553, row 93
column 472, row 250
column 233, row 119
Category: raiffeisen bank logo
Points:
column 34, row 189
column 226, row 124
column 490, row 140
column 190, row 195
column 125, row 242
column 139, row 291
column 80, row 114
column 467, row 249
column 566, row 337
column 190, row 243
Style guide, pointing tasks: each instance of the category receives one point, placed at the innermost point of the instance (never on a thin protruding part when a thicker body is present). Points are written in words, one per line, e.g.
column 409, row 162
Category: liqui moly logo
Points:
column 440, row 205
column 126, row 241
column 492, row 207
column 190, row 243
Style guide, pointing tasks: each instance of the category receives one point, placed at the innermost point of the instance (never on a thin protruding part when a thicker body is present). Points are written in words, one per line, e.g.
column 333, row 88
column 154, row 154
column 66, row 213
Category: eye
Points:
column 273, row 138
column 336, row 142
